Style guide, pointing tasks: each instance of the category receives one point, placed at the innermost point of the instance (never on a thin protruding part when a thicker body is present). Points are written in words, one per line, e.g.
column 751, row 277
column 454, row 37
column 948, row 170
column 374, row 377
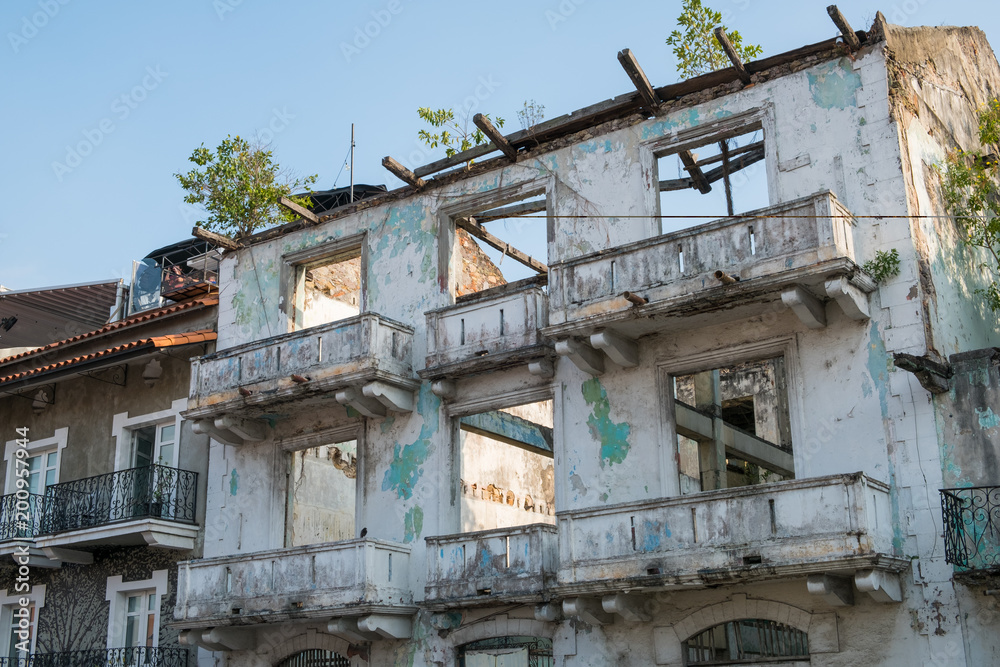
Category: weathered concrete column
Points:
column 711, row 453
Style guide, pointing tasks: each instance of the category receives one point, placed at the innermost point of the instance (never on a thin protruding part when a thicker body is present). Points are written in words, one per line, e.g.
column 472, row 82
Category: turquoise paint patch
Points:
column 979, row 377
column 836, row 87
column 651, row 541
column 613, row 436
column 387, row 424
column 687, row 118
column 987, row 419
column 404, row 469
column 413, row 524
column 878, row 368
column 234, row 482
column 589, row 147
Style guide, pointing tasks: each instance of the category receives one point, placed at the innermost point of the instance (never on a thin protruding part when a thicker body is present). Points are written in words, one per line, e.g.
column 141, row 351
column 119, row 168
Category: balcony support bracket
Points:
column 550, row 612
column 249, row 430
column 394, row 398
column 630, row 607
column 353, row 398
column 588, row 610
column 542, row 368
column 69, row 555
column 622, row 351
column 207, row 427
column 837, row 591
column 882, row 586
column 347, row 629
column 584, row 357
column 806, row 307
column 444, row 388
column 388, row 626
column 851, row 300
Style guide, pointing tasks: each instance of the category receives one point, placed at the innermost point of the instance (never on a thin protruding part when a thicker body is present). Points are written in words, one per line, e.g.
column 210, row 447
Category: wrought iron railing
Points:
column 149, row 492
column 135, row 656
column 20, row 516
column 972, row 527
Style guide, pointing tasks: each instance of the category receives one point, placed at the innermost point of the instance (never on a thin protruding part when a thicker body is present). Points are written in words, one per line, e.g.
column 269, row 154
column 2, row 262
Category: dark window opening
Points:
column 329, row 290
column 747, row 641
column 322, row 487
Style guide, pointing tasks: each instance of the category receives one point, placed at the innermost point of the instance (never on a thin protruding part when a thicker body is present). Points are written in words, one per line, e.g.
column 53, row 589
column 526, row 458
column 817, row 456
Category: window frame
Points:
column 118, row 592
column 123, row 427
column 295, row 264
column 9, row 602
column 41, row 447
column 666, row 370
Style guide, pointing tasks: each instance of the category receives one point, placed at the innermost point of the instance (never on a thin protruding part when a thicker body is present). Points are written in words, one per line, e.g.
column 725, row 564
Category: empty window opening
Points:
column 724, row 176
column 748, row 641
column 328, row 290
column 501, row 245
column 507, row 467
column 507, row 652
column 322, row 486
column 733, row 427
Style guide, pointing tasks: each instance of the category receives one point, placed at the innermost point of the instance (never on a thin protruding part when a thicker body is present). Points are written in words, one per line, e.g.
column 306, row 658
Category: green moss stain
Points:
column 613, row 436
column 413, row 524
column 405, row 468
column 234, row 482
column 835, row 85
column 878, row 367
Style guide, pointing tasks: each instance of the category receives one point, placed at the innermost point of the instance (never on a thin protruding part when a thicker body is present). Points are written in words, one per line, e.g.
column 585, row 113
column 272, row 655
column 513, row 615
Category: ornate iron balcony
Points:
column 972, row 527
column 135, row 656
column 20, row 518
column 149, row 492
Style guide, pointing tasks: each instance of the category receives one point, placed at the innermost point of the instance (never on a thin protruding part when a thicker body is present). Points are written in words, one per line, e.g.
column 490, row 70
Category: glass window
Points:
column 140, row 619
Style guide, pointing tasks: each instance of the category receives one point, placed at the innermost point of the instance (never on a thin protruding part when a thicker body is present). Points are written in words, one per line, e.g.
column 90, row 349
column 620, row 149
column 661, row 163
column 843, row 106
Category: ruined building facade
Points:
column 681, row 443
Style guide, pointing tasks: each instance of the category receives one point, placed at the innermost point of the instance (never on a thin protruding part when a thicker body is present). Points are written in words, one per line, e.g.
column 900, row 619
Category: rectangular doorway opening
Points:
column 322, row 486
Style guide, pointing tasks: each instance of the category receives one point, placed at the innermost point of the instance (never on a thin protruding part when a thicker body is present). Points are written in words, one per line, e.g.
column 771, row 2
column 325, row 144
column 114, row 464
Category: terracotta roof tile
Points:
column 155, row 342
column 140, row 318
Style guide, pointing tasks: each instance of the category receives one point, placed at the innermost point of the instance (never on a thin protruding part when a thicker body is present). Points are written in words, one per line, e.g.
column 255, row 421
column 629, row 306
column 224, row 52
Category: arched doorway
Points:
column 747, row 642
column 507, row 652
column 315, row 658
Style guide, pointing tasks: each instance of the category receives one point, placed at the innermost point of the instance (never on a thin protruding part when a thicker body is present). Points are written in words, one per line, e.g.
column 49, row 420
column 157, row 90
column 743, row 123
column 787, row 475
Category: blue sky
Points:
column 103, row 102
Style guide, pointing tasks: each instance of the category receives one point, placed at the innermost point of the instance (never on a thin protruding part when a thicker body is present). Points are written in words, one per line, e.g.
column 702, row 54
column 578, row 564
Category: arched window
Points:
column 315, row 658
column 746, row 642
column 507, row 652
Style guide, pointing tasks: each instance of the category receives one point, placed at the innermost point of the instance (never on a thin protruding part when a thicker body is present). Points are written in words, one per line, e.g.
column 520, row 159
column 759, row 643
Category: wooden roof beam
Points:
column 631, row 66
column 734, row 58
column 512, row 211
column 402, row 173
column 470, row 225
column 697, row 177
column 299, row 210
column 218, row 239
column 850, row 37
column 493, row 134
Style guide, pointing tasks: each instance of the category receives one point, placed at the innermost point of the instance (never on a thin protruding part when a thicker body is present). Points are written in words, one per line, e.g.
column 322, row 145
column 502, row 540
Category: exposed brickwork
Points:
column 478, row 271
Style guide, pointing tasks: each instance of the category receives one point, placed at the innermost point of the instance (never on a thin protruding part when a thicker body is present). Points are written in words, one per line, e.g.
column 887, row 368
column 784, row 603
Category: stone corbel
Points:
column 584, row 357
column 369, row 407
column 64, row 555
column 851, row 300
column 630, row 607
column 392, row 397
column 542, row 368
column 588, row 610
column 347, row 629
column 622, row 351
column 837, row 591
column 444, row 389
column 806, row 307
column 219, row 639
column 549, row 612
column 882, row 586
column 250, row 430
column 388, row 626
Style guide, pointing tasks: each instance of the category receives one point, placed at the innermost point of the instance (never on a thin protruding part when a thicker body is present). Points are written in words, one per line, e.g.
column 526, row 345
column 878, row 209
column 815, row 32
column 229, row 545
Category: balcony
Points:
column 487, row 331
column 510, row 564
column 20, row 521
column 365, row 581
column 800, row 253
column 363, row 362
column 972, row 530
column 152, row 505
column 835, row 525
column 135, row 656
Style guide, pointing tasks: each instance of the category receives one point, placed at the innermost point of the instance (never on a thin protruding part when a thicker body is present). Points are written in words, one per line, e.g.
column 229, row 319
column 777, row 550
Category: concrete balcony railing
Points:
column 836, row 524
column 493, row 329
column 353, row 578
column 513, row 564
column 799, row 250
column 363, row 361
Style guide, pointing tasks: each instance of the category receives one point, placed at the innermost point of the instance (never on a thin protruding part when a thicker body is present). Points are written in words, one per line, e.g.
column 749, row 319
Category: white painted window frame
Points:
column 294, row 265
column 9, row 601
column 117, row 594
column 55, row 443
column 122, row 426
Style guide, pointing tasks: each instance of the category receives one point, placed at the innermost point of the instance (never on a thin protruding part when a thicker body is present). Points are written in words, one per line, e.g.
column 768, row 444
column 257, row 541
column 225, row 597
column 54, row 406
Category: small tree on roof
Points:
column 695, row 45
column 239, row 185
